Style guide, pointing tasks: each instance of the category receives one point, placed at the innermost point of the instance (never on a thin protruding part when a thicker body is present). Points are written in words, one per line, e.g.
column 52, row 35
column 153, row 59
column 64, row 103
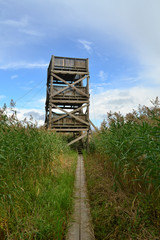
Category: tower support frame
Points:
column 67, row 97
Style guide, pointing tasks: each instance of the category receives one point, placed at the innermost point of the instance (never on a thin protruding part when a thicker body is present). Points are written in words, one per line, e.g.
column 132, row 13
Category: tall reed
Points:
column 132, row 146
column 37, row 177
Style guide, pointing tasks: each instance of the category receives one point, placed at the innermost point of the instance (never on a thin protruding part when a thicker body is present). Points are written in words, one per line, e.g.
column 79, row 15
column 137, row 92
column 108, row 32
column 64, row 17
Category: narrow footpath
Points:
column 80, row 227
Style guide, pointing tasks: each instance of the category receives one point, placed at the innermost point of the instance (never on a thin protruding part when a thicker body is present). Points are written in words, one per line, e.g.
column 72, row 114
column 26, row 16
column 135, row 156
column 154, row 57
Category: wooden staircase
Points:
column 80, row 147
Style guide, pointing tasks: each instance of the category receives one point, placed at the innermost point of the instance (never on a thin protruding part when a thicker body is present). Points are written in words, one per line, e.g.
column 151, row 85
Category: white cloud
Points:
column 123, row 100
column 31, row 32
column 152, row 72
column 22, row 25
column 102, row 75
column 86, row 45
column 19, row 65
column 23, row 22
column 14, row 76
column 133, row 23
column 37, row 114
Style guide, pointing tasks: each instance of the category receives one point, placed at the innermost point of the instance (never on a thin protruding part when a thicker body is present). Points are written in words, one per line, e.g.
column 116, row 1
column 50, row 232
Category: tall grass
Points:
column 130, row 145
column 37, row 178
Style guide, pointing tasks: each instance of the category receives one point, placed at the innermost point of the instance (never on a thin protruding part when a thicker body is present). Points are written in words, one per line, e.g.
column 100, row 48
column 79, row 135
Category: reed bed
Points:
column 37, row 179
column 129, row 147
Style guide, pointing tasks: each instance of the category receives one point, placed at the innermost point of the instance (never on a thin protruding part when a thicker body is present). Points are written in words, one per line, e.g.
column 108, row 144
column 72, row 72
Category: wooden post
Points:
column 87, row 65
column 50, row 101
column 88, row 109
column 88, row 94
column 51, row 93
column 87, row 141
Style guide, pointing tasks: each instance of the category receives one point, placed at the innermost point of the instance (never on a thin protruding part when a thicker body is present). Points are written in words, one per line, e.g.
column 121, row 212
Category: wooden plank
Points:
column 69, row 72
column 93, row 125
column 71, row 58
column 69, row 129
column 76, row 110
column 47, row 100
column 77, row 139
column 80, row 64
column 87, row 64
column 70, row 114
column 88, row 93
column 88, row 84
column 68, row 126
column 52, row 62
column 70, row 101
column 88, row 142
column 81, row 79
column 70, row 85
column 50, row 99
column 72, row 64
column 69, row 94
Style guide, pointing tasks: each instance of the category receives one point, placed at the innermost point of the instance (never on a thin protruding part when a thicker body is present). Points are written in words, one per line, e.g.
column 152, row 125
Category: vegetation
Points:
column 123, row 173
column 123, row 177
column 37, row 178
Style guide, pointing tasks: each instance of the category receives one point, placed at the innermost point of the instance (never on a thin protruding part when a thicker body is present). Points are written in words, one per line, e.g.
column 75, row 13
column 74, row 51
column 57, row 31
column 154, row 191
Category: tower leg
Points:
column 88, row 142
column 50, row 102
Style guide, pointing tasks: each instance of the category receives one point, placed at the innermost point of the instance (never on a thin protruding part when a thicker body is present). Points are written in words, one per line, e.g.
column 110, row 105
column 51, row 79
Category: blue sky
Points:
column 121, row 38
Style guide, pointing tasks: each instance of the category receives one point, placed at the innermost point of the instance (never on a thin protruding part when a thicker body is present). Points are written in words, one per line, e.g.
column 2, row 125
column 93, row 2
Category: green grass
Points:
column 115, row 212
column 128, row 148
column 37, row 179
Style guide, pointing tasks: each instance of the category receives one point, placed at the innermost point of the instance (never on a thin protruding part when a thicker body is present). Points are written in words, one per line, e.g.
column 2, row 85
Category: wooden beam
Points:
column 65, row 115
column 88, row 142
column 70, row 101
column 69, row 72
column 88, row 93
column 81, row 79
column 70, row 58
column 69, row 129
column 93, row 125
column 50, row 99
column 47, row 100
column 70, row 85
column 77, row 139
column 87, row 63
column 69, row 126
column 70, row 114
column 52, row 62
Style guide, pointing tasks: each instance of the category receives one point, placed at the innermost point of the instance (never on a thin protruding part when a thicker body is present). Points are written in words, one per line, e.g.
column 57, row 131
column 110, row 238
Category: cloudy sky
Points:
column 121, row 38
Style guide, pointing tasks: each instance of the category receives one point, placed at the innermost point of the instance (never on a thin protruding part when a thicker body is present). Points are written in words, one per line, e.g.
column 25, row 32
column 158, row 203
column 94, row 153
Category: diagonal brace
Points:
column 79, row 80
column 65, row 115
column 71, row 115
column 70, row 85
column 77, row 139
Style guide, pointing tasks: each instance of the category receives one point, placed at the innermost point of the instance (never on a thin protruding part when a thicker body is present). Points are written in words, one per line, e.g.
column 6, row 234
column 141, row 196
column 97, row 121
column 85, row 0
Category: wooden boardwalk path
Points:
column 80, row 227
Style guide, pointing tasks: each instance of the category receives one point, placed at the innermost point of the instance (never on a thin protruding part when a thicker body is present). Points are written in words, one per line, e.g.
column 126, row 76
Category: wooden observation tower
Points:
column 67, row 100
